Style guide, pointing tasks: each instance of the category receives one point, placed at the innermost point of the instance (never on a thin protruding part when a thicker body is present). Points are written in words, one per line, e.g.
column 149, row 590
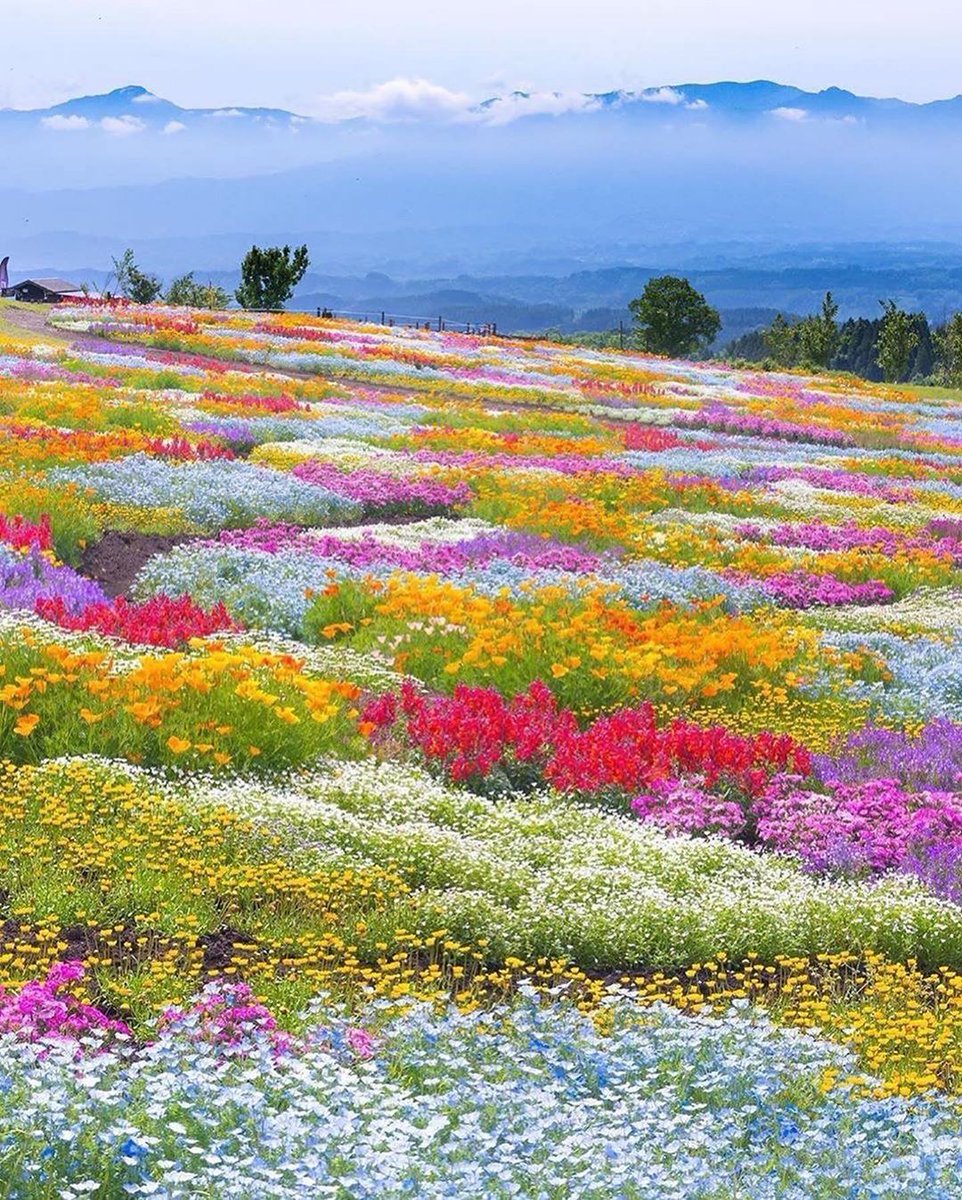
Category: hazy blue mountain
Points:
column 522, row 184
column 139, row 104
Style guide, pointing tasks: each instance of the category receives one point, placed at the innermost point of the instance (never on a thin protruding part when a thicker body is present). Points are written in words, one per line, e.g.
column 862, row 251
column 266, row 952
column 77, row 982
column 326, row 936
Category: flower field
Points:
column 444, row 766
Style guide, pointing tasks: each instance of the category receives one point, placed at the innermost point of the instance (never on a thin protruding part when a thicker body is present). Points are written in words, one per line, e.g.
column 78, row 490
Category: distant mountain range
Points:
column 542, row 183
column 140, row 110
column 139, row 106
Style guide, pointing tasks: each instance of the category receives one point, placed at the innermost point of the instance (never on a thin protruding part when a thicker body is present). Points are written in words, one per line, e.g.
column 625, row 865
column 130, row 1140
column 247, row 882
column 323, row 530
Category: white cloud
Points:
column 504, row 109
column 420, row 100
column 790, row 114
column 147, row 98
column 122, row 126
column 227, row 112
column 174, row 127
column 64, row 124
column 663, row 95
column 395, row 100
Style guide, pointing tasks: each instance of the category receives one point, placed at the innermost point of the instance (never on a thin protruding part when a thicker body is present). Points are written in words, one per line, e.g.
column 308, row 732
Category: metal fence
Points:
column 439, row 323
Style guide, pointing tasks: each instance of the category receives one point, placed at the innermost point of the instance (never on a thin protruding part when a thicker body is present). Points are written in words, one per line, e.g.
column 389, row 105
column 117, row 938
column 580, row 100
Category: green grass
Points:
column 933, row 392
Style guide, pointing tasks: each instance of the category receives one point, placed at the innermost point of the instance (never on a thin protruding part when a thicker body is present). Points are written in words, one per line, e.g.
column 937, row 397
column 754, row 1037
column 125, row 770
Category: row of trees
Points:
column 672, row 318
column 269, row 276
column 896, row 346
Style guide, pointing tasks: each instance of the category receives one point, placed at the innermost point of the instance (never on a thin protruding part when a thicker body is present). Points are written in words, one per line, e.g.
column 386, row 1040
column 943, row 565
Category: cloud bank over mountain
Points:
column 419, row 173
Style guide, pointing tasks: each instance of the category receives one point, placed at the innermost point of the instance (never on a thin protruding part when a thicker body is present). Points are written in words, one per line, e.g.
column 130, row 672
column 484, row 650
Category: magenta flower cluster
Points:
column 836, row 481
column 875, row 825
column 853, row 828
column 727, row 420
column 528, row 551
column 805, row 589
column 377, row 490
column 814, row 535
column 684, row 806
column 228, row 1016
column 48, row 1009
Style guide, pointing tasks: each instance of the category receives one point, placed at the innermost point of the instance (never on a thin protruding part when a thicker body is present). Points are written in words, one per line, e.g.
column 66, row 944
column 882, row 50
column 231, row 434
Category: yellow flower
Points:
column 177, row 745
column 26, row 724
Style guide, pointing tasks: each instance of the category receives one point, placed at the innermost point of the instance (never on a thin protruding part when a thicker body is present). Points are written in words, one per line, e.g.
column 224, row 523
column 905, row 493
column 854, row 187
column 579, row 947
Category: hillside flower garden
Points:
column 440, row 766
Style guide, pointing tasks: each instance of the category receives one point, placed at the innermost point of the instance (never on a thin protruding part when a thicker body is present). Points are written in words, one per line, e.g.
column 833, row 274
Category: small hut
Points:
column 44, row 291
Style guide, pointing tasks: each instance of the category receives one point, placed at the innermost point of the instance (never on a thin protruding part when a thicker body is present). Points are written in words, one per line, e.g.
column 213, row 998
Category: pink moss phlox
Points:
column 47, row 1008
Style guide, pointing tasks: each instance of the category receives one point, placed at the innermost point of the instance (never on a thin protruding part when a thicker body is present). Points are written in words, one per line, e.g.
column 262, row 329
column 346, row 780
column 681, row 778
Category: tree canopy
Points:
column 134, row 283
column 186, row 291
column 673, row 319
column 897, row 339
column 269, row 276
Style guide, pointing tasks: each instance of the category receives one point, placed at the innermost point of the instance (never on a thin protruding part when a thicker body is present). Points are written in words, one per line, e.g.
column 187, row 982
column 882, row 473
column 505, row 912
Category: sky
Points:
column 298, row 54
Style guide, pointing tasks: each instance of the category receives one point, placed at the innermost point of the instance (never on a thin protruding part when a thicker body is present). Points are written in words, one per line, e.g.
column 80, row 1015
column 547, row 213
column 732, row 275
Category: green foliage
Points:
column 673, row 319
column 898, row 337
column 818, row 335
column 782, row 339
column 147, row 418
column 270, row 275
column 349, row 604
column 187, row 292
column 948, row 342
column 790, row 343
column 533, row 877
column 74, row 522
column 134, row 283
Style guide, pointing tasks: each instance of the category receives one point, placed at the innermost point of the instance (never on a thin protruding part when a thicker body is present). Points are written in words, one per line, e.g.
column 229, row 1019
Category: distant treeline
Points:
column 927, row 353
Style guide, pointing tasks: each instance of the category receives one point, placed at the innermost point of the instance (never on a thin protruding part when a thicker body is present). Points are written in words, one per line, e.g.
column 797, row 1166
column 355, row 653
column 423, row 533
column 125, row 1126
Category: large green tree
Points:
column 269, row 276
column 898, row 336
column 673, row 319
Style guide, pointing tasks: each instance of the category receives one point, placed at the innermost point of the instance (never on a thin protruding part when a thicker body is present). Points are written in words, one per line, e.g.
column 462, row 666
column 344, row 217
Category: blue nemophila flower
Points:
column 212, row 495
column 529, row 1100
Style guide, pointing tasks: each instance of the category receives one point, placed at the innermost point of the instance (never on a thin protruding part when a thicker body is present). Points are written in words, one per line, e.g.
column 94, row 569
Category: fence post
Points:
column 318, row 310
column 382, row 317
column 440, row 323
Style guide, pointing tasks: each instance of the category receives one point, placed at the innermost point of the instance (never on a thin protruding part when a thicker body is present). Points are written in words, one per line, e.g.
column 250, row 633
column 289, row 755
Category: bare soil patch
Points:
column 114, row 561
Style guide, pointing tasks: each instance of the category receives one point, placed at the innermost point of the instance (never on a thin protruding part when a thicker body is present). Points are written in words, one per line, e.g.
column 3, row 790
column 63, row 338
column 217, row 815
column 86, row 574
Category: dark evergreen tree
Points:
column 750, row 347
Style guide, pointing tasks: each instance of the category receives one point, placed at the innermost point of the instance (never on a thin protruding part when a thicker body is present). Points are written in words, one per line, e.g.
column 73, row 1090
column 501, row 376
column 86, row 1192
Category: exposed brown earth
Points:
column 115, row 560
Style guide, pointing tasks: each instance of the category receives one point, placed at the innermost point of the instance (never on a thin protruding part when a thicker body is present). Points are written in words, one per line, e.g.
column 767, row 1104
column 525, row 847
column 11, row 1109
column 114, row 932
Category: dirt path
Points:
column 32, row 319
